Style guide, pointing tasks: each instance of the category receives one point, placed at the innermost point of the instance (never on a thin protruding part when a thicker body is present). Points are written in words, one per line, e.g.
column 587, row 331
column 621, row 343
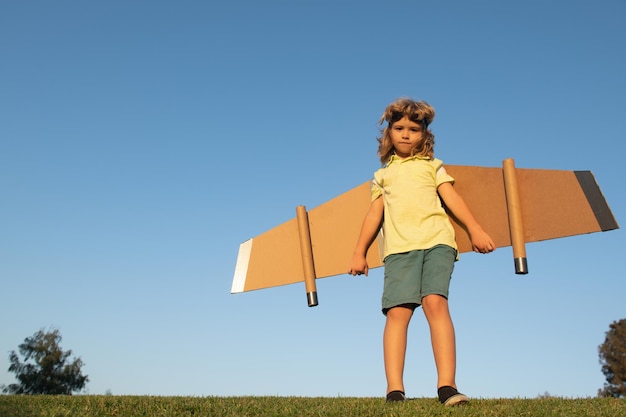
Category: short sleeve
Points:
column 375, row 191
column 443, row 176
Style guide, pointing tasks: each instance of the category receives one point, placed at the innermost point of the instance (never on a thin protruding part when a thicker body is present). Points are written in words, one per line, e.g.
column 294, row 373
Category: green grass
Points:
column 135, row 406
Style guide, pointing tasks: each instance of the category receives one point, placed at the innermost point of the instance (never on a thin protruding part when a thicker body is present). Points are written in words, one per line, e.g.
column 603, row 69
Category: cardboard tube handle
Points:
column 514, row 207
column 306, row 250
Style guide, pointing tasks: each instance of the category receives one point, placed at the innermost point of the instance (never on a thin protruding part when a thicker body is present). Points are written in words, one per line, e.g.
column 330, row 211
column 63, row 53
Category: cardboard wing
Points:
column 513, row 205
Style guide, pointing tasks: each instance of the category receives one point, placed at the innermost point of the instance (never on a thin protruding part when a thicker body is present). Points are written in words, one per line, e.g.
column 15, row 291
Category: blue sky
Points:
column 142, row 142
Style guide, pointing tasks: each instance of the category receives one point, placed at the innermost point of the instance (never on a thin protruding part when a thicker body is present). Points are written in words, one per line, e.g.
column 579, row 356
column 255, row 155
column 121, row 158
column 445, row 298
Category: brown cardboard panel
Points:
column 275, row 258
column 483, row 192
column 335, row 228
column 554, row 204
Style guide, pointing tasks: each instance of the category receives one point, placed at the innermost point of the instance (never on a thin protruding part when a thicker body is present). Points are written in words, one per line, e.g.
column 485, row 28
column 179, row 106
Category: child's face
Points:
column 405, row 134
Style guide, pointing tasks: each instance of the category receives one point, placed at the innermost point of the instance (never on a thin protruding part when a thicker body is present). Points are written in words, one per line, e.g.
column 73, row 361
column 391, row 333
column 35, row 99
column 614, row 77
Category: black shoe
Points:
column 449, row 396
column 396, row 397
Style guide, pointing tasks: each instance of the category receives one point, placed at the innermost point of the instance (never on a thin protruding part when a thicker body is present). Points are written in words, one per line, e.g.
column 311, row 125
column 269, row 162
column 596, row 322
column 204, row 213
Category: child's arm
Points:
column 481, row 242
column 369, row 230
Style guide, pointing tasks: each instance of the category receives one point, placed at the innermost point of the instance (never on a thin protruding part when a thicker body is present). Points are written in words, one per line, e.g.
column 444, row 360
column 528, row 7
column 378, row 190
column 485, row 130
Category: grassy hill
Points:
column 135, row 406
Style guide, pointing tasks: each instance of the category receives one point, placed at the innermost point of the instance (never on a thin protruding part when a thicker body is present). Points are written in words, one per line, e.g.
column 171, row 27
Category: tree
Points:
column 613, row 360
column 46, row 368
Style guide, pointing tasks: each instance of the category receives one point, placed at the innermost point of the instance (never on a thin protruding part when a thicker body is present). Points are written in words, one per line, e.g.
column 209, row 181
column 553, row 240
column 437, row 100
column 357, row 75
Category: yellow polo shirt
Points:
column 414, row 217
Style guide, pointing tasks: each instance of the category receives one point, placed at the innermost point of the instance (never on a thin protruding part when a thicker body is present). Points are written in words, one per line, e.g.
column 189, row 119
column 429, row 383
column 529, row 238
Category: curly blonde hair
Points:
column 419, row 112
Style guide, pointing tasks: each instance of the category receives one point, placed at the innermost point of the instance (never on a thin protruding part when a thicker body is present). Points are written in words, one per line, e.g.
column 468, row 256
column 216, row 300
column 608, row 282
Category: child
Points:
column 419, row 243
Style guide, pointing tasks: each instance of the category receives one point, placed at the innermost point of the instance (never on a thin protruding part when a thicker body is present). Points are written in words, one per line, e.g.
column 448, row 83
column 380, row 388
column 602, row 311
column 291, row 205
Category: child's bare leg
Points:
column 442, row 338
column 394, row 346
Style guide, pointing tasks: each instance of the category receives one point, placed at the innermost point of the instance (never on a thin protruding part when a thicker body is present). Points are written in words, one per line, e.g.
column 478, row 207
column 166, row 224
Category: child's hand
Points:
column 358, row 266
column 481, row 241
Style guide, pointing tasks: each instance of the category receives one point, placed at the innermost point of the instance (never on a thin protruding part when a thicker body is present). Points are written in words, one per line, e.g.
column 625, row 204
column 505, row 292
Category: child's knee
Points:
column 400, row 313
column 435, row 304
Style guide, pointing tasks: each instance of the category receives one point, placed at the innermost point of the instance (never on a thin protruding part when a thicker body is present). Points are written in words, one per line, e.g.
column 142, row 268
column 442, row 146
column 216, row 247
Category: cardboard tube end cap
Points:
column 311, row 298
column 521, row 266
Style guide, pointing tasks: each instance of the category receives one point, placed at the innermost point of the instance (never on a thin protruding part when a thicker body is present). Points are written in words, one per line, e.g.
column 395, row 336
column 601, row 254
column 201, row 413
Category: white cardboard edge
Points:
column 241, row 269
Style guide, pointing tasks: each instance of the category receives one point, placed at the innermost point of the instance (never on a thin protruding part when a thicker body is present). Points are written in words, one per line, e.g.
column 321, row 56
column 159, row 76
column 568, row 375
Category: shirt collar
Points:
column 395, row 158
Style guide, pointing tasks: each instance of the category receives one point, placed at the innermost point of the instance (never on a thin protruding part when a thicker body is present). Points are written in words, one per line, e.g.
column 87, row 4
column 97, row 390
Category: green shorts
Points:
column 411, row 276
